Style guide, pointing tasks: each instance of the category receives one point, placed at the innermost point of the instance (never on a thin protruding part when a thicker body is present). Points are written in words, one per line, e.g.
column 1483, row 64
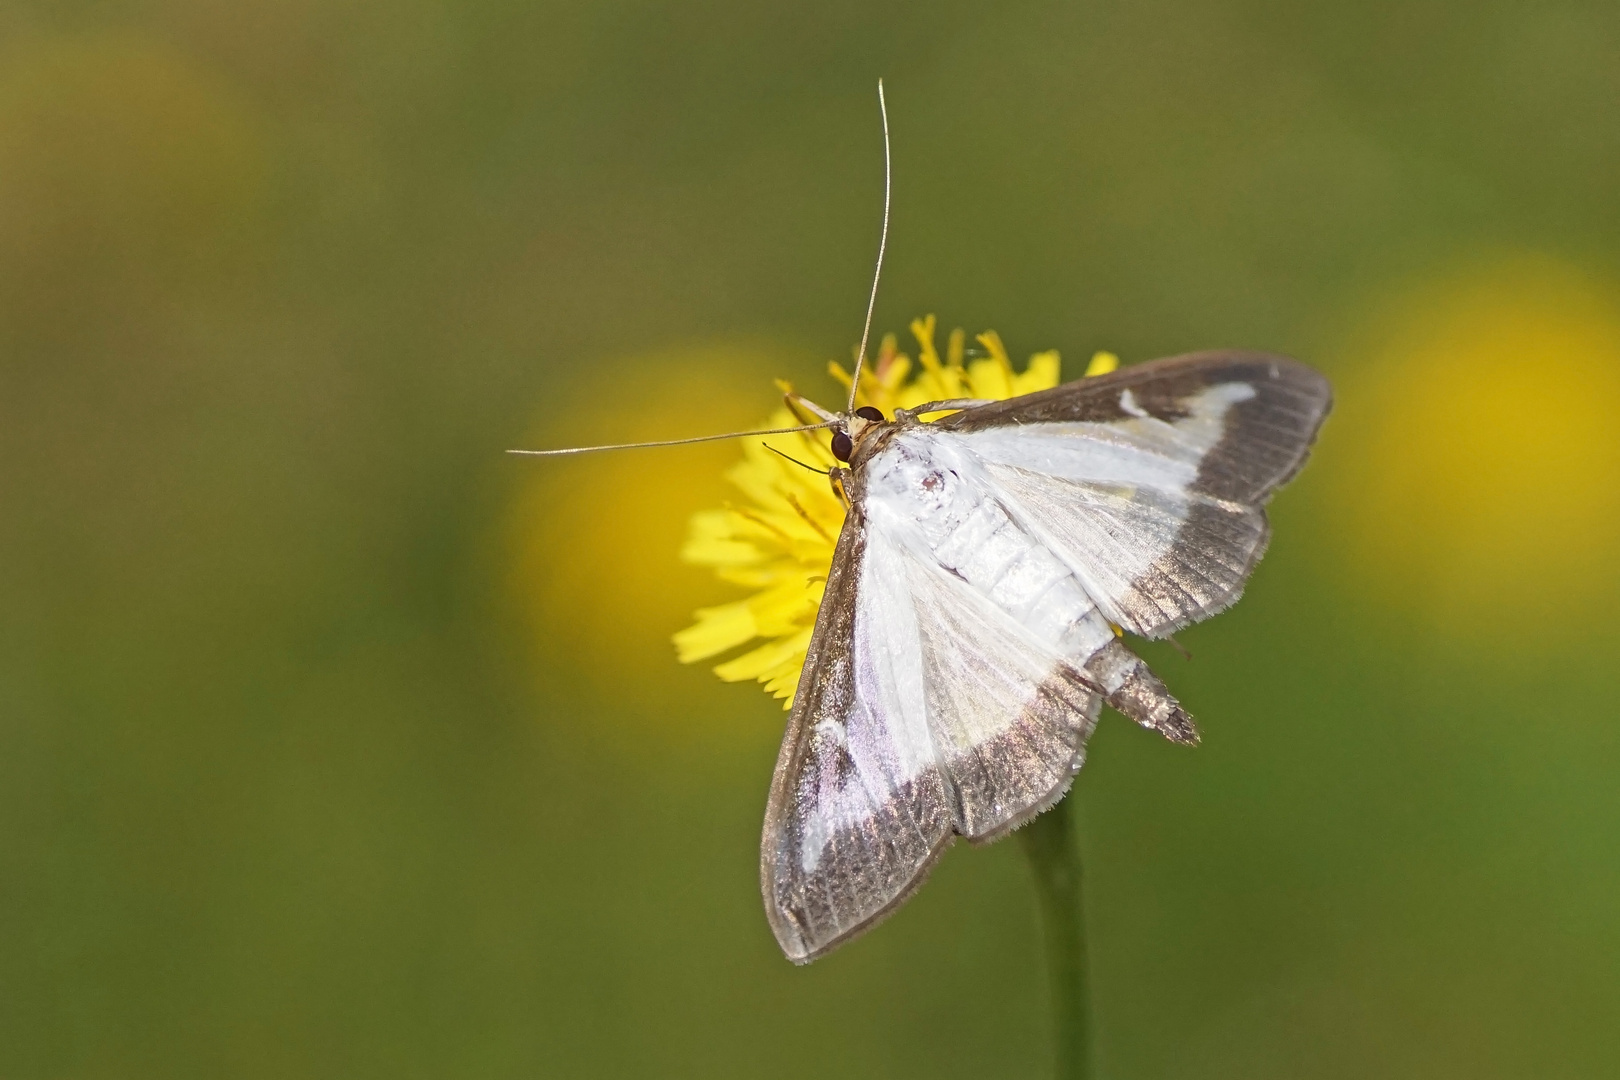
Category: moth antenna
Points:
column 673, row 442
column 796, row 461
column 1178, row 646
column 883, row 242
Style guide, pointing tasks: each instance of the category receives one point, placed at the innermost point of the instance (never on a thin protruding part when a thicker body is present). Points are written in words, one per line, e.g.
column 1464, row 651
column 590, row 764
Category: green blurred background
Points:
column 334, row 743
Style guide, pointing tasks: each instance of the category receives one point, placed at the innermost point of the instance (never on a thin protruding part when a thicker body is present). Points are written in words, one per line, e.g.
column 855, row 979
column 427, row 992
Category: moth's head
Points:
column 855, row 427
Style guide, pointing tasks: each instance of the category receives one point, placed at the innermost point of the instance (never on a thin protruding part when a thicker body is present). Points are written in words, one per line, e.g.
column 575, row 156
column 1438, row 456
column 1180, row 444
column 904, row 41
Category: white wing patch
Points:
column 888, row 658
column 1128, row 404
column 1143, row 451
column 884, row 732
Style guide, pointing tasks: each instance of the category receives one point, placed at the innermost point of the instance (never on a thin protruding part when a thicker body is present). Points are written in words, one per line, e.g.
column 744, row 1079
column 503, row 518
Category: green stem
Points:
column 1055, row 862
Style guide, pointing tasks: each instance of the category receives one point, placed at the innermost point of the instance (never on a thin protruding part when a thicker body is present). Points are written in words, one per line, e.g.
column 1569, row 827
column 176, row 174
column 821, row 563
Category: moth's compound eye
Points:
column 867, row 412
column 842, row 446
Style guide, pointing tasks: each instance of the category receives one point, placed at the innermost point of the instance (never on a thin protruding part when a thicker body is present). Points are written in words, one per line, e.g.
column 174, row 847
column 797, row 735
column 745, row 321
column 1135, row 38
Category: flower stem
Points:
column 1055, row 862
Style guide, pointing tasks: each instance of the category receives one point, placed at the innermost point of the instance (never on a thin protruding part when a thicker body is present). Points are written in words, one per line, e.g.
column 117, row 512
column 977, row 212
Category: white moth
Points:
column 966, row 640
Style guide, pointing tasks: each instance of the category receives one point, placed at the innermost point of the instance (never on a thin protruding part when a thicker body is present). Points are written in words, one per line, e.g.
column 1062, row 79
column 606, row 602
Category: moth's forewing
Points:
column 858, row 808
column 963, row 646
column 1149, row 482
column 1265, row 438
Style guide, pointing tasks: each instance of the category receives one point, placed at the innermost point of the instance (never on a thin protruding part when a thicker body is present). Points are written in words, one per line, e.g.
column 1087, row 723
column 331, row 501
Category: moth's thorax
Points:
column 870, row 436
column 938, row 497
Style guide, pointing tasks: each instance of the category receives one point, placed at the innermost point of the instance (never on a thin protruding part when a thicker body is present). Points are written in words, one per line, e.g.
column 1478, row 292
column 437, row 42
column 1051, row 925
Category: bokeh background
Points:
column 334, row 743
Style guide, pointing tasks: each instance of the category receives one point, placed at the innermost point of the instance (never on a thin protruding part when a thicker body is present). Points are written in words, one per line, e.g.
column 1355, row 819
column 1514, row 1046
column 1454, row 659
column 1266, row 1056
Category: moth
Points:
column 970, row 631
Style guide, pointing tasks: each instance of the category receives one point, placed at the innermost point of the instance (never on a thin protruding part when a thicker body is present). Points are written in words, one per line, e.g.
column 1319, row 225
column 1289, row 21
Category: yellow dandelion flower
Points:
column 779, row 540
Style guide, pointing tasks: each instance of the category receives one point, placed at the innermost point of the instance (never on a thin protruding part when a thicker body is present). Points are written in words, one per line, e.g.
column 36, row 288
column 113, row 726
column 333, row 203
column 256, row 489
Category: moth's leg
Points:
column 839, row 479
column 1134, row 690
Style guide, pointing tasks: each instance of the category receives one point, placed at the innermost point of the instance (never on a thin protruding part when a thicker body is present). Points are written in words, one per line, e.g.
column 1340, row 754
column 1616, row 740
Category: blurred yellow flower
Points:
column 1483, row 490
column 589, row 542
column 779, row 541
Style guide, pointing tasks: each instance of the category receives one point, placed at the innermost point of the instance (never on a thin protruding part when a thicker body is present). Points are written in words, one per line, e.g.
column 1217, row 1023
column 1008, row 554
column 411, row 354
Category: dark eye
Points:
column 866, row 412
column 842, row 446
